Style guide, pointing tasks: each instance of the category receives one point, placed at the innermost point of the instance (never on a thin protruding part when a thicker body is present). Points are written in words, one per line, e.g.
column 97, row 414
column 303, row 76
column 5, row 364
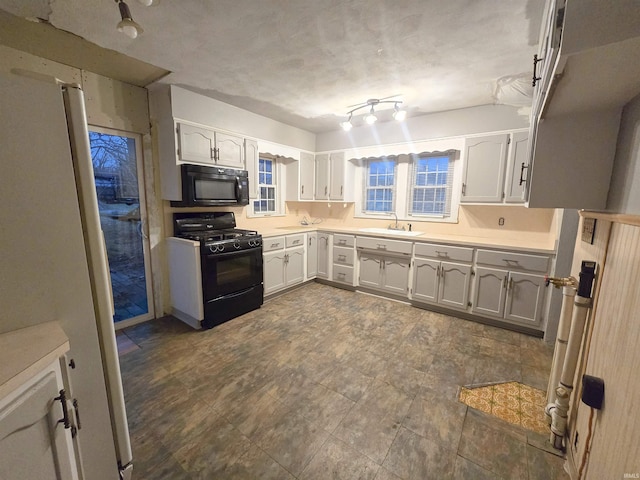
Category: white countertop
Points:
column 26, row 351
column 424, row 237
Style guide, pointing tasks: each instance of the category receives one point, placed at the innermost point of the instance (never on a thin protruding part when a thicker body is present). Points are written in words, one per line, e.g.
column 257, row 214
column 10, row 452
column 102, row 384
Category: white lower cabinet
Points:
column 511, row 294
column 442, row 274
column 384, row 272
column 343, row 255
column 312, row 254
column 283, row 261
column 444, row 283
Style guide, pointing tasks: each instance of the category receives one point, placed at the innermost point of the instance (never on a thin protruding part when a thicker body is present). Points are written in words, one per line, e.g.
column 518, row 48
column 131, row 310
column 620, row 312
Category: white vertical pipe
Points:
column 564, row 327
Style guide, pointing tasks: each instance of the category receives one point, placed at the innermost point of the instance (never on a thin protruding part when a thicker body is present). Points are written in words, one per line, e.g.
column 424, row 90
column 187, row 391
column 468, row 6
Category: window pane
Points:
column 268, row 179
column 441, row 179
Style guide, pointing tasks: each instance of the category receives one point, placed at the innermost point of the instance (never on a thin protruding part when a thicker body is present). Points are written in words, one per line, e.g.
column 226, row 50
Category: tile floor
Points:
column 323, row 383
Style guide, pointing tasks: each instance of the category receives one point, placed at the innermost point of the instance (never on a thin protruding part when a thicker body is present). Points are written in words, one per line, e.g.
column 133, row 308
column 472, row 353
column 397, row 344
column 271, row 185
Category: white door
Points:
column 454, row 284
column 525, row 293
column 395, row 275
column 517, row 168
column 322, row 176
column 484, row 165
column 119, row 182
column 336, row 186
column 274, row 276
column 312, row 254
column 195, row 144
column 230, row 150
column 425, row 280
column 307, row 167
column 295, row 265
column 490, row 291
column 324, row 240
column 370, row 270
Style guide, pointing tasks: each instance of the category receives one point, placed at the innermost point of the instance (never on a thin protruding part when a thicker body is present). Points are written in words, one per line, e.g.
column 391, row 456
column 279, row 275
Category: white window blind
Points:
column 379, row 185
column 431, row 184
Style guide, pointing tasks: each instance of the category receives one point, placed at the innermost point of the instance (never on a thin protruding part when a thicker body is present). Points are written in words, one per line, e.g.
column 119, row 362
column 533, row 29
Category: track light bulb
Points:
column 399, row 115
column 347, row 125
column 127, row 26
column 371, row 118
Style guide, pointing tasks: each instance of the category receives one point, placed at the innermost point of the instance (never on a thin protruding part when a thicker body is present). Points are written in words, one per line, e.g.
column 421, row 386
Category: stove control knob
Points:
column 236, row 245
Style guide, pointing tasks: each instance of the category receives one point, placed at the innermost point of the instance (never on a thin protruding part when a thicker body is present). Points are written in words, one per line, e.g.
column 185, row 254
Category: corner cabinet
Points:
column 300, row 176
column 495, row 168
column 510, row 286
column 334, row 177
column 442, row 274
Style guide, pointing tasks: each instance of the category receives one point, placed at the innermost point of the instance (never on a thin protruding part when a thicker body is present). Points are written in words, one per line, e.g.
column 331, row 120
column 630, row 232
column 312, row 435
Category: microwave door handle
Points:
column 238, row 188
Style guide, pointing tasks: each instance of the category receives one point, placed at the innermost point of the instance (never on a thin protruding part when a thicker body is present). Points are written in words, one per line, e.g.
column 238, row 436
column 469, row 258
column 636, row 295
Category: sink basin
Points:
column 387, row 231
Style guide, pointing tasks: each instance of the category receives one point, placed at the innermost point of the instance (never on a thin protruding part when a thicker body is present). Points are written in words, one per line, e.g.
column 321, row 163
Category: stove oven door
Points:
column 229, row 273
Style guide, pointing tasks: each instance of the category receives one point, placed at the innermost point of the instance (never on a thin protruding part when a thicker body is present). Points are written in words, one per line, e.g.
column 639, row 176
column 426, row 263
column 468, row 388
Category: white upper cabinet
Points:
column 585, row 74
column 251, row 159
column 337, row 176
column 496, row 168
column 485, row 160
column 334, row 177
column 206, row 146
column 322, row 176
column 300, row 178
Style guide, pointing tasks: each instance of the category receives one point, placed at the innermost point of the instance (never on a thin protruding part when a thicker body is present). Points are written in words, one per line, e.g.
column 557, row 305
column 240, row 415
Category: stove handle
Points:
column 238, row 188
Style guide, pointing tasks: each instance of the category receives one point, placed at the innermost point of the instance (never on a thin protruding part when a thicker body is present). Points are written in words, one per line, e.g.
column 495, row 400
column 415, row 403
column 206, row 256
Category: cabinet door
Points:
column 274, row 277
column 251, row 164
column 307, row 167
column 425, row 280
column 483, row 178
column 490, row 291
column 195, row 144
column 454, row 284
column 517, row 167
column 324, row 240
column 370, row 270
column 294, row 265
column 525, row 295
column 312, row 255
column 336, row 185
column 395, row 275
column 230, row 150
column 33, row 445
column 322, row 176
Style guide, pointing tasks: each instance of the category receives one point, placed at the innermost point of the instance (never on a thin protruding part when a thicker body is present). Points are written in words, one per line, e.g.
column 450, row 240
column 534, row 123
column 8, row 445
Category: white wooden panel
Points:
column 252, row 157
column 274, row 276
column 370, row 270
column 294, row 266
column 513, row 261
column 324, row 248
column 517, row 167
column 385, row 245
column 322, row 176
column 195, row 144
column 270, row 244
column 307, row 175
column 230, row 150
column 343, row 240
column 337, row 173
column 294, row 240
column 343, row 255
column 343, row 274
column 312, row 254
column 444, row 252
column 185, row 276
column 484, row 167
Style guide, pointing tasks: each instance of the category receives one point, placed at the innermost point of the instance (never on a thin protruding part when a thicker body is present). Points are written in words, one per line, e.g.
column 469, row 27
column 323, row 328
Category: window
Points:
column 266, row 202
column 379, row 186
column 431, row 184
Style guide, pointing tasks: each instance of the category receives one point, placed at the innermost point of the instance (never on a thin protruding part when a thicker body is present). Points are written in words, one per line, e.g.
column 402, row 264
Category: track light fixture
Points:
column 127, row 26
column 371, row 118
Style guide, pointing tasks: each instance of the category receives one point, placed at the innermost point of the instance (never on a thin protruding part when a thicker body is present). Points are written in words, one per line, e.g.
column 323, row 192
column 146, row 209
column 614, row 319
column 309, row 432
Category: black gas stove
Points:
column 215, row 231
column 230, row 265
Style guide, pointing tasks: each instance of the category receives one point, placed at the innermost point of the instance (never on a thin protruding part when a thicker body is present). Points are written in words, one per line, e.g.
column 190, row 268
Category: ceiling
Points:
column 306, row 62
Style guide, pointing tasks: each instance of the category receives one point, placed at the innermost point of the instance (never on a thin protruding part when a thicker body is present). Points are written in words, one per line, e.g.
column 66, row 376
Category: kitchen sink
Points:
column 388, row 231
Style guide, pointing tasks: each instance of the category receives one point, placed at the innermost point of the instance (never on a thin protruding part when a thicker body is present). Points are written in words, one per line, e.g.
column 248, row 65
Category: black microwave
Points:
column 212, row 186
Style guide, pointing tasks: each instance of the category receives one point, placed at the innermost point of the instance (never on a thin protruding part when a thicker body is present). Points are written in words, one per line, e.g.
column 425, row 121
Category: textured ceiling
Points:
column 305, row 62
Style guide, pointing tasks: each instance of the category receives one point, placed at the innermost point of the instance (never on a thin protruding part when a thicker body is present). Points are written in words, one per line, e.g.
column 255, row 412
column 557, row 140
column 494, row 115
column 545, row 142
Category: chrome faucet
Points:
column 395, row 226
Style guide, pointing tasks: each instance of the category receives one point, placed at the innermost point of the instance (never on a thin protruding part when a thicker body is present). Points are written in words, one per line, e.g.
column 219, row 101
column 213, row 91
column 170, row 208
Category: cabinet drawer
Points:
column 513, row 261
column 272, row 243
column 343, row 240
column 343, row 256
column 294, row 240
column 444, row 252
column 385, row 245
column 343, row 274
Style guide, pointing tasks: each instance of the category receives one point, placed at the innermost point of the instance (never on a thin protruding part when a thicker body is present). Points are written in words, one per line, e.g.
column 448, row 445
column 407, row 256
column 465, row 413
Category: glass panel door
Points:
column 117, row 165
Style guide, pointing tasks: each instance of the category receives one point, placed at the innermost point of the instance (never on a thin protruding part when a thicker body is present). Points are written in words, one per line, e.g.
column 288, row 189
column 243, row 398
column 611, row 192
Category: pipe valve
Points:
column 560, row 281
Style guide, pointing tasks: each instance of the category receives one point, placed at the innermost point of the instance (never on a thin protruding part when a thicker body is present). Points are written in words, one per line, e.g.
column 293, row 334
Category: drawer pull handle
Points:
column 275, row 245
column 296, row 242
column 340, row 274
column 382, row 246
column 511, row 263
column 440, row 253
column 342, row 257
column 505, row 282
column 342, row 242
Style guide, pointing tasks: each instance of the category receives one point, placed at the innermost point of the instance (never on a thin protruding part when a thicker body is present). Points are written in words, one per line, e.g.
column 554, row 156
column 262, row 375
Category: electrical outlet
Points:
column 501, row 221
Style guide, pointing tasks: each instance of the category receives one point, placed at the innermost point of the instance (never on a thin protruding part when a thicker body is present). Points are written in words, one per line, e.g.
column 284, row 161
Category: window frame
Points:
column 448, row 185
column 276, row 185
column 366, row 188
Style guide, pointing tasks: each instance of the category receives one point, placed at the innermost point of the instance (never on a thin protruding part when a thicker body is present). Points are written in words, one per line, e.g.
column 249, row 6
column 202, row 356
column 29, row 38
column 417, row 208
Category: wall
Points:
column 112, row 104
column 624, row 191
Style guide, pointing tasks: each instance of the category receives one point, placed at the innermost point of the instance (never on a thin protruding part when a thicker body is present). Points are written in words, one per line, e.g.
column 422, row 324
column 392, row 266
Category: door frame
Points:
column 144, row 224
